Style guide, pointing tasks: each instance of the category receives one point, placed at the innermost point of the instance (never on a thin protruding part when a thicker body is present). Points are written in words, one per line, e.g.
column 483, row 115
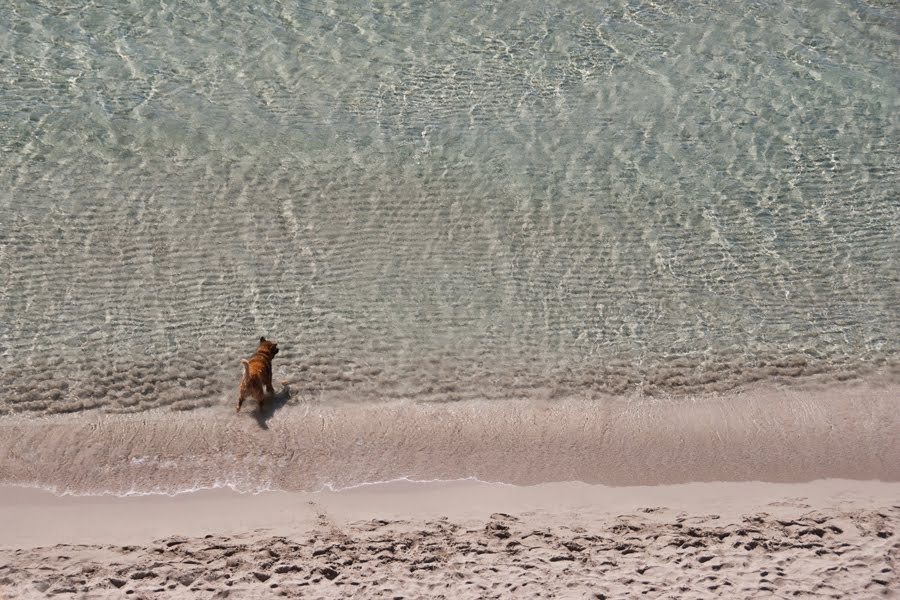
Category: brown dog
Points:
column 258, row 373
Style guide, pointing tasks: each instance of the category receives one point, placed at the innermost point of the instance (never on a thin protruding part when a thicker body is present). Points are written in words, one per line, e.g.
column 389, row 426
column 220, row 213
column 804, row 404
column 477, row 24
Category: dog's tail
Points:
column 246, row 364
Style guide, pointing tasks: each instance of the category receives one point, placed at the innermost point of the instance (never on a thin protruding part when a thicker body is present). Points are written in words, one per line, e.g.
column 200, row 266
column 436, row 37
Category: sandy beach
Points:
column 754, row 495
column 830, row 539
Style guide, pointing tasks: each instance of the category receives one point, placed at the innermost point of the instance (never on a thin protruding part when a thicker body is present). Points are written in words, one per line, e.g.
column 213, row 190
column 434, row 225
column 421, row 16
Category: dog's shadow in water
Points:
column 271, row 405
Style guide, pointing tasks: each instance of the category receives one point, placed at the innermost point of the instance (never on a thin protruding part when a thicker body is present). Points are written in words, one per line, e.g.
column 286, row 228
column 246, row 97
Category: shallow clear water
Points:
column 444, row 202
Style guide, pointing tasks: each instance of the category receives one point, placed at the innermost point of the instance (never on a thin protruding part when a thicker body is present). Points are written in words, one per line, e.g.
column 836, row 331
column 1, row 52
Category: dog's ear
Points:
column 262, row 339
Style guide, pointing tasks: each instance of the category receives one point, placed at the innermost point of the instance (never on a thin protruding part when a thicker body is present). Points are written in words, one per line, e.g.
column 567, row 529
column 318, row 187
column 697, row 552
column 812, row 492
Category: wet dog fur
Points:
column 257, row 379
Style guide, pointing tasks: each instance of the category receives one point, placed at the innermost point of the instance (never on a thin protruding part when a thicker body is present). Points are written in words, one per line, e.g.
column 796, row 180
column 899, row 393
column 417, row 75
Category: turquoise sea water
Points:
column 444, row 201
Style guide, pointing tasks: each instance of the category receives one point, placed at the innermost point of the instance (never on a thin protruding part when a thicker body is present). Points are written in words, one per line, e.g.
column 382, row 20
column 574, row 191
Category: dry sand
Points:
column 834, row 538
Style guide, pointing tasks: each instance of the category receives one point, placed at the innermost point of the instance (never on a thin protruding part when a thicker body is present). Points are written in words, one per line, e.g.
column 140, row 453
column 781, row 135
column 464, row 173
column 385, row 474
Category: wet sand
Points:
column 778, row 436
column 835, row 538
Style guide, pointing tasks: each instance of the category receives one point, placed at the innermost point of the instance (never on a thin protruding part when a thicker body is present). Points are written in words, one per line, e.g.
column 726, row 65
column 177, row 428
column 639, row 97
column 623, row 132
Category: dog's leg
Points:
column 245, row 380
column 242, row 392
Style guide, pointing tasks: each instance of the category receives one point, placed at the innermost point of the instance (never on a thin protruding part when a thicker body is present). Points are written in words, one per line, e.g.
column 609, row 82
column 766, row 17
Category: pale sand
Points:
column 832, row 538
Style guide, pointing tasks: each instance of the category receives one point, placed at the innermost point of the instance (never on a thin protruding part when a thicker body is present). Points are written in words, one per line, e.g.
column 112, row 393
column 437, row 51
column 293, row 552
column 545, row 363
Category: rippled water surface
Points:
column 444, row 201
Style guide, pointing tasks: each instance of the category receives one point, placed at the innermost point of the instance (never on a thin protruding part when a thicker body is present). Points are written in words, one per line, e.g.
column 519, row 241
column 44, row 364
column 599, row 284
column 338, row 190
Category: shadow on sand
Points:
column 271, row 405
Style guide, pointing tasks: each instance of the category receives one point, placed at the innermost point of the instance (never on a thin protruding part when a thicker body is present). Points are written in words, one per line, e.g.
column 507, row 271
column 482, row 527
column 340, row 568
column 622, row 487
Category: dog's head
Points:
column 268, row 348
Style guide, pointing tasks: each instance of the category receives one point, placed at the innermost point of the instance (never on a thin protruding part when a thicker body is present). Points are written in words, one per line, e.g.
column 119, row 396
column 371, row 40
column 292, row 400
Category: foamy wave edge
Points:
column 239, row 488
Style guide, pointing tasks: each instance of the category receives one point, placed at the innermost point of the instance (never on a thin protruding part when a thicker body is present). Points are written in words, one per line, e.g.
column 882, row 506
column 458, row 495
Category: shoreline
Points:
column 776, row 436
column 30, row 517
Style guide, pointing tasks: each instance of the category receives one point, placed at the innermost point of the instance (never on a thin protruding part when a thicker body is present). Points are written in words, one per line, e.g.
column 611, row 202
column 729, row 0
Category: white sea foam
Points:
column 328, row 487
